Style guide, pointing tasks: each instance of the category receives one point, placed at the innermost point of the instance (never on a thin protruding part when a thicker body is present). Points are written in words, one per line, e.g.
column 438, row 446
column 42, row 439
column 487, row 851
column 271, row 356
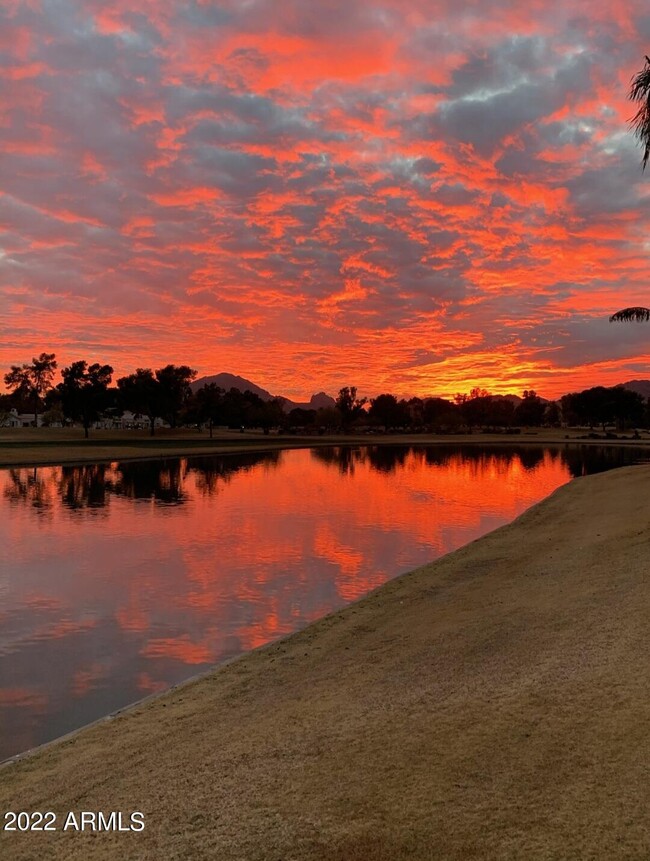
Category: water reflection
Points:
column 213, row 472
column 587, row 460
column 29, row 487
column 84, row 486
column 91, row 486
column 151, row 480
column 119, row 580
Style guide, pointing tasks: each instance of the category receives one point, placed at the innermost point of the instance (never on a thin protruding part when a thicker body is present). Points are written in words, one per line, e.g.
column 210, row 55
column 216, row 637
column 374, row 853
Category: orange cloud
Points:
column 335, row 192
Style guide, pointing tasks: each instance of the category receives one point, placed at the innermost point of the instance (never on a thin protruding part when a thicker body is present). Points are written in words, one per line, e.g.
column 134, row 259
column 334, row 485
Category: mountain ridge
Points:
column 322, row 400
column 233, row 381
column 641, row 387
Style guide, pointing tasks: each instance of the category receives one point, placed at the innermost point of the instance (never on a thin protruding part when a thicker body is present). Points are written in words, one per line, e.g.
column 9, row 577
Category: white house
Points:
column 11, row 420
column 20, row 420
column 128, row 421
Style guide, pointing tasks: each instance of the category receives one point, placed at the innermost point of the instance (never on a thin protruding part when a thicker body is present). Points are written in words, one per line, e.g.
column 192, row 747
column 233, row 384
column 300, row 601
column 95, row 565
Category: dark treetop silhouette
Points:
column 639, row 92
column 33, row 381
column 84, row 391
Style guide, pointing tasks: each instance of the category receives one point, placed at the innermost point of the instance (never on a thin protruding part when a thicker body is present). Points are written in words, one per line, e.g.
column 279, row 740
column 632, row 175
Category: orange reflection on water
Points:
column 132, row 617
column 84, row 680
column 147, row 685
column 23, row 698
column 179, row 648
column 160, row 569
column 268, row 628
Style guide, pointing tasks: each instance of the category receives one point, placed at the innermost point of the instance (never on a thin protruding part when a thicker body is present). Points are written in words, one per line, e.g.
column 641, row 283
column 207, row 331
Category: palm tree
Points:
column 639, row 92
column 628, row 314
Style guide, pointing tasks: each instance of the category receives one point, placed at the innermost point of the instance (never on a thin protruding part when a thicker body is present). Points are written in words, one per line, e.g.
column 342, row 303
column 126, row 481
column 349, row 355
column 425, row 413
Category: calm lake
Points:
column 119, row 580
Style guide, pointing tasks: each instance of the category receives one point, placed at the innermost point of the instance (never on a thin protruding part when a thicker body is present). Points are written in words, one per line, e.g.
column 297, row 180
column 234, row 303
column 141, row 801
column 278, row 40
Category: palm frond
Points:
column 640, row 92
column 641, row 315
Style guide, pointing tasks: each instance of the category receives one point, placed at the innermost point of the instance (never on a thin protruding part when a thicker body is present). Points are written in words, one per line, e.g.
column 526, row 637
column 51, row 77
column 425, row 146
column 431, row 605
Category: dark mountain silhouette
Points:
column 516, row 400
column 323, row 400
column 641, row 387
column 316, row 402
column 231, row 381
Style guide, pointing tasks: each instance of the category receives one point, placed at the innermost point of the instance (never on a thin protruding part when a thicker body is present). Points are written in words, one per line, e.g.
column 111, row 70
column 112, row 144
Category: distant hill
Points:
column 516, row 400
column 321, row 400
column 641, row 387
column 231, row 381
column 316, row 402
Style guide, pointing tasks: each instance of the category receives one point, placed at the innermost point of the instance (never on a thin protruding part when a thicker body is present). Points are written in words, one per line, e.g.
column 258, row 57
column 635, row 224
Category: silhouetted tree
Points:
column 267, row 415
column 386, row 410
column 627, row 315
column 441, row 415
column 474, row 407
column 238, row 407
column 639, row 92
column 208, row 403
column 174, row 391
column 32, row 382
column 349, row 405
column 416, row 411
column 552, row 415
column 530, row 411
column 141, row 393
column 300, row 417
column 328, row 418
column 601, row 405
column 500, row 413
column 53, row 409
column 570, row 408
column 593, row 406
column 627, row 407
column 6, row 405
column 83, row 391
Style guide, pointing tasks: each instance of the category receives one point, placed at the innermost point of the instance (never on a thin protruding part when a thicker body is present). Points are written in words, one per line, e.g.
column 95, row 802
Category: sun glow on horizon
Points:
column 297, row 193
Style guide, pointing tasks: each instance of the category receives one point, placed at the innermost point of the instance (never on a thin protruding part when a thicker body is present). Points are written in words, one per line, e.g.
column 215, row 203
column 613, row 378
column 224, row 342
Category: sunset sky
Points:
column 416, row 197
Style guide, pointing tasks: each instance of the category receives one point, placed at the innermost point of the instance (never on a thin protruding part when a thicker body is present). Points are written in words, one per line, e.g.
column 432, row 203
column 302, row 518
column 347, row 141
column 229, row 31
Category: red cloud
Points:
column 430, row 197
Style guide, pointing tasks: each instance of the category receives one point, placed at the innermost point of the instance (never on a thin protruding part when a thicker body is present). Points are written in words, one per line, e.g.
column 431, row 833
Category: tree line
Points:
column 86, row 395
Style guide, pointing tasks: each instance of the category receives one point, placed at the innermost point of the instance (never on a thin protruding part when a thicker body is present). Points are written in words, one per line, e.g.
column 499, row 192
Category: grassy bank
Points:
column 42, row 446
column 491, row 705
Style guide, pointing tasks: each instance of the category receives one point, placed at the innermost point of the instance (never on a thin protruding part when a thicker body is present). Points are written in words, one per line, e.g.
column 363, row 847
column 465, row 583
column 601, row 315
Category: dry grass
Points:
column 492, row 705
column 42, row 446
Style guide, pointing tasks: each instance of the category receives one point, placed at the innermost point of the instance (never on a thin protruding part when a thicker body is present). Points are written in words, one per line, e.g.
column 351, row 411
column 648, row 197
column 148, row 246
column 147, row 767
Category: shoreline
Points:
column 23, row 452
column 490, row 704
